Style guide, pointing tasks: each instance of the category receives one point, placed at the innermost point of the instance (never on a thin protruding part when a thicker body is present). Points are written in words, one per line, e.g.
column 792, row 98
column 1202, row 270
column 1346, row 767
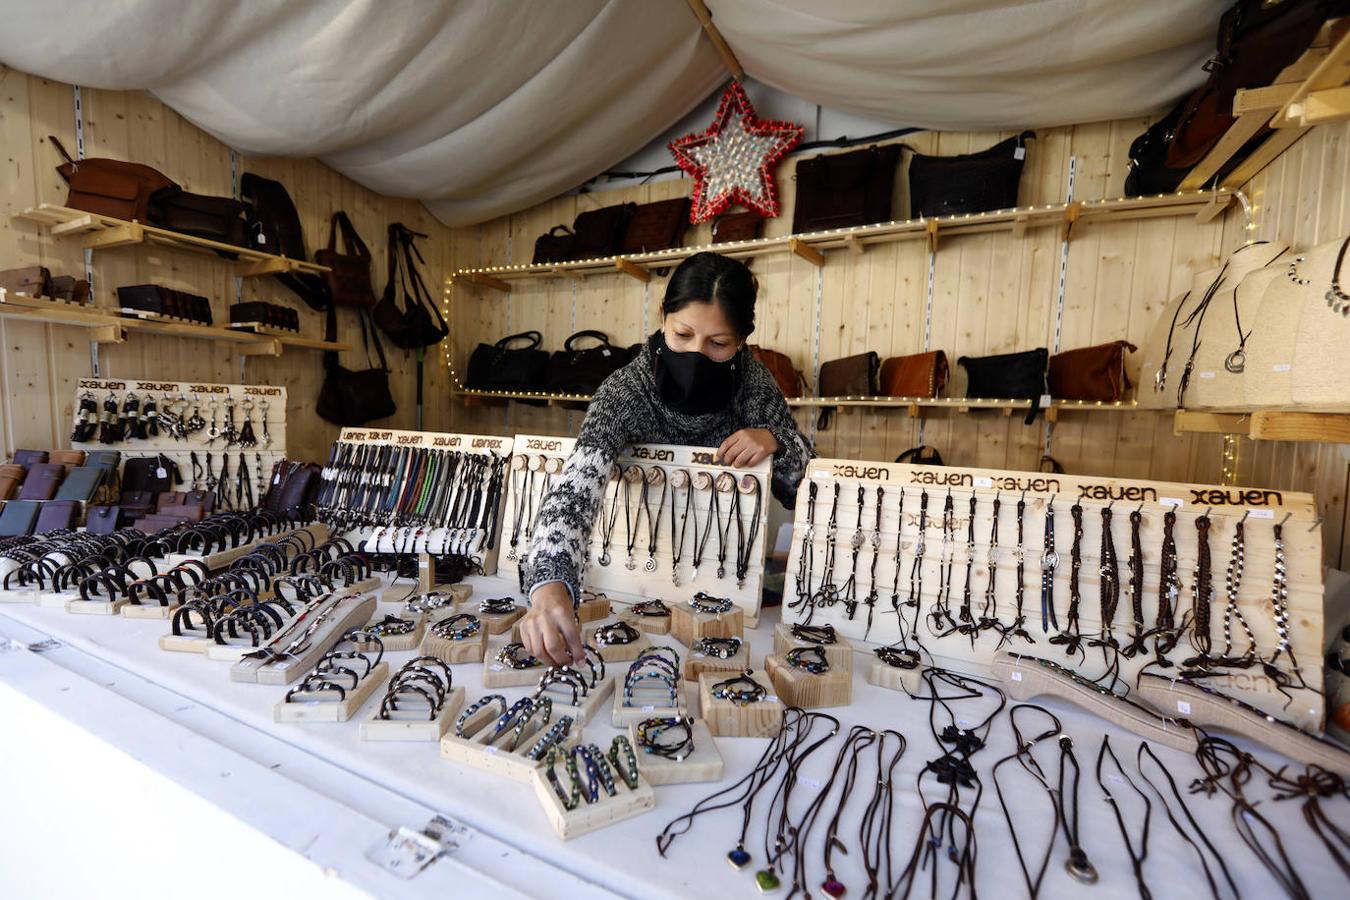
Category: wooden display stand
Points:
column 496, row 675
column 840, row 653
column 184, row 643
column 646, row 624
column 627, row 715
column 625, row 804
column 1024, row 677
column 413, row 729
column 57, row 599
column 616, row 653
column 475, row 751
column 704, row 764
column 584, row 711
column 396, row 642
column 326, row 710
column 544, row 456
column 809, row 690
column 96, row 607
column 352, row 611
column 1048, row 494
column 500, row 623
column 473, row 649
column 26, row 595
column 399, row 594
column 727, row 719
column 893, row 679
column 149, row 611
column 696, row 663
column 229, row 652
column 593, row 608
column 688, row 625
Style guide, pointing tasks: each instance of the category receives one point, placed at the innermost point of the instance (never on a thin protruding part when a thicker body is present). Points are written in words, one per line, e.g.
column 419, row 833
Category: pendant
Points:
column 738, row 858
column 604, row 558
column 630, row 565
column 694, row 574
column 721, row 572
column 767, row 880
column 511, row 554
column 833, row 887
column 649, row 566
column 1236, row 361
column 675, row 578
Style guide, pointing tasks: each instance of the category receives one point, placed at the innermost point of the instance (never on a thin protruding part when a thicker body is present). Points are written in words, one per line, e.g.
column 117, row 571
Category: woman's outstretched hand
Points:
column 550, row 630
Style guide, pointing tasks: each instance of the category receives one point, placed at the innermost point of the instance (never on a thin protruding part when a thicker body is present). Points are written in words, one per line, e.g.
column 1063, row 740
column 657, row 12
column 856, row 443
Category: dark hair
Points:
column 713, row 278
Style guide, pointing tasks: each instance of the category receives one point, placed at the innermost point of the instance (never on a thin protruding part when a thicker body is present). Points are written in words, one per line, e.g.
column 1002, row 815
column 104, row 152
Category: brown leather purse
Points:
column 349, row 281
column 11, row 476
column 35, row 281
column 780, row 366
column 844, row 190
column 1091, row 373
column 852, row 376
column 110, row 187
column 917, row 375
column 657, row 226
column 741, row 226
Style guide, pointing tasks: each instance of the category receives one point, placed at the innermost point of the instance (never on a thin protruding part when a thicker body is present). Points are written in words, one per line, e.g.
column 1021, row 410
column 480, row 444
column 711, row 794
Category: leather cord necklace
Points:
column 871, row 600
column 522, row 484
column 607, row 526
column 1049, row 562
column 989, row 620
column 680, row 478
column 827, row 593
column 1165, row 631
column 724, row 530
column 1138, row 854
column 701, row 539
column 1160, row 376
column 1071, row 637
column 916, row 566
column 656, row 475
column 1279, row 600
column 859, row 739
column 895, row 572
column 848, row 594
column 1018, row 628
column 965, row 615
column 1204, row 844
column 1110, row 583
column 806, row 556
column 1202, row 593
column 747, row 535
column 1197, row 319
column 1231, row 611
column 1135, row 564
column 940, row 616
column 629, row 514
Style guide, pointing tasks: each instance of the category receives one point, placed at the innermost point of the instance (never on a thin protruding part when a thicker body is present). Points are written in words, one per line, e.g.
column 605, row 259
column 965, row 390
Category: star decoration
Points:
column 734, row 160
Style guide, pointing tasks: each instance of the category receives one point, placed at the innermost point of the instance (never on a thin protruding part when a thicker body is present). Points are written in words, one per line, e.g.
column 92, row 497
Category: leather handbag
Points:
column 42, row 481
column 916, row 375
column 110, row 187
column 1091, row 373
column 18, row 517
column 69, row 289
column 274, row 227
column 842, row 190
column 656, row 226
column 348, row 277
column 922, row 455
column 11, row 476
column 58, row 515
column 1149, row 172
column 102, row 519
column 135, row 504
column 29, row 457
column 1008, row 376
column 600, row 232
column 501, row 367
column 81, row 483
column 416, row 322
column 554, row 247
column 785, row 375
column 852, row 376
column 292, row 487
column 968, row 183
column 581, row 371
column 352, row 397
column 741, row 226
column 222, row 219
column 152, row 475
column 1256, row 40
column 35, row 281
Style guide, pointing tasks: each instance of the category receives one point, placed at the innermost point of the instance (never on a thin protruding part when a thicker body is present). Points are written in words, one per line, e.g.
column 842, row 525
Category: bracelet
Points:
column 508, row 719
column 497, row 606
column 429, row 602
column 718, row 647
column 591, row 787
column 556, row 734
column 616, row 635
column 568, row 678
column 602, row 767
column 628, row 769
column 391, row 626
column 809, row 659
column 462, row 722
column 814, row 634
column 651, row 608
column 706, row 603
column 458, row 627
column 898, row 657
column 651, row 731
column 538, row 705
column 513, row 656
column 741, row 690
column 569, row 801
column 636, row 680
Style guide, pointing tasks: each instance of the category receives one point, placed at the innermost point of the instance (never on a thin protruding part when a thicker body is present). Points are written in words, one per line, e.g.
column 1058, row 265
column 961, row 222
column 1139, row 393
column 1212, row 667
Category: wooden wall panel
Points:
column 41, row 363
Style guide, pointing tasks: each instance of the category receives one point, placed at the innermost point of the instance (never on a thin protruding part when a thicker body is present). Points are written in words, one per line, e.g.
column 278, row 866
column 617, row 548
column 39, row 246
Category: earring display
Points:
column 675, row 750
column 1193, row 591
column 340, row 682
column 671, row 522
column 511, row 740
column 415, row 492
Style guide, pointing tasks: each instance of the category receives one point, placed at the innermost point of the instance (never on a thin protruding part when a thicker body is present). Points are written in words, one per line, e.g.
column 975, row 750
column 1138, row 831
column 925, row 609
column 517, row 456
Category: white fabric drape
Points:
column 481, row 108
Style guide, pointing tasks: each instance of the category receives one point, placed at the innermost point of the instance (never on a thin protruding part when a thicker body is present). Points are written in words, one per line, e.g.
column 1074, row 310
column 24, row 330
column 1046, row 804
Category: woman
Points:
column 695, row 382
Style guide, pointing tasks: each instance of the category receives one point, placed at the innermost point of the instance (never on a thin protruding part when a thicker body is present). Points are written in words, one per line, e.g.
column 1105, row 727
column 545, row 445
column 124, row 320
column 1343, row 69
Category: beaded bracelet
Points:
column 497, row 606
column 651, row 731
column 898, row 657
column 553, row 737
column 718, row 647
column 814, row 634
column 749, row 691
column 628, row 770
column 458, row 627
column 809, row 659
column 511, row 657
column 392, row 626
column 616, row 635
column 651, row 608
column 538, row 706
column 569, row 801
column 705, row 603
column 473, row 709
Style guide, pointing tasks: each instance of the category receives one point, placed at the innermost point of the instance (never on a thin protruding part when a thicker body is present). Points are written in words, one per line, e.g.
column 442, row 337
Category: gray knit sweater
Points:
column 627, row 409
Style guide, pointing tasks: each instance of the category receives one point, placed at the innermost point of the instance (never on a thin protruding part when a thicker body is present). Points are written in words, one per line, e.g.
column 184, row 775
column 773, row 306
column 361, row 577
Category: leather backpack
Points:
column 416, row 322
column 110, row 187
column 349, row 276
column 274, row 227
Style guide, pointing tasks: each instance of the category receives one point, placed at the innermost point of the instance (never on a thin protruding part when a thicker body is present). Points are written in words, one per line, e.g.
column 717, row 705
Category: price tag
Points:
column 983, row 481
column 648, row 708
column 276, row 479
column 262, row 238
column 1016, row 676
column 700, row 656
column 490, row 748
column 772, row 698
column 1183, row 707
column 1261, row 513
column 1281, row 367
column 495, row 667
column 1171, row 501
column 161, row 472
column 1045, row 400
column 1019, row 153
column 605, row 352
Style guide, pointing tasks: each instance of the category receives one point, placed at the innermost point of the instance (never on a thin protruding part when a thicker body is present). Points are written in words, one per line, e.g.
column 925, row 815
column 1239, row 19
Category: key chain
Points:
column 214, row 431
column 246, row 437
column 262, row 417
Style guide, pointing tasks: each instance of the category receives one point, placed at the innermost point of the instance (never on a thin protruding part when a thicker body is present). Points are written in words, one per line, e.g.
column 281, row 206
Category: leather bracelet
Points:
column 718, row 647
column 653, row 609
column 705, row 603
column 497, row 606
column 651, row 737
column 741, row 689
column 808, row 659
column 513, row 656
column 815, row 634
column 478, row 706
column 458, row 627
column 617, row 634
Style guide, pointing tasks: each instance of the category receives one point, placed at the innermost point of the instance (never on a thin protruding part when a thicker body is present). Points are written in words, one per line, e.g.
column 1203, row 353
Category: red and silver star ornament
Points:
column 734, row 160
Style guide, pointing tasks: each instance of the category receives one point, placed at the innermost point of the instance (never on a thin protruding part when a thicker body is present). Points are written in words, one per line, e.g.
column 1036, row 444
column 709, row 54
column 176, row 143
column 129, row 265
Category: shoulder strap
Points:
column 60, row 148
column 351, row 240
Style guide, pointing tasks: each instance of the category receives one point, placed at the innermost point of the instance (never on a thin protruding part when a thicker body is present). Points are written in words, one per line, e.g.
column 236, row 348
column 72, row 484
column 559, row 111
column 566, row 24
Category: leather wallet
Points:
column 56, row 515
column 68, row 458
column 80, row 483
column 168, row 498
column 103, row 458
column 136, row 504
column 29, row 457
column 42, row 481
column 11, row 476
column 156, row 523
column 18, row 517
column 102, row 519
column 181, row 511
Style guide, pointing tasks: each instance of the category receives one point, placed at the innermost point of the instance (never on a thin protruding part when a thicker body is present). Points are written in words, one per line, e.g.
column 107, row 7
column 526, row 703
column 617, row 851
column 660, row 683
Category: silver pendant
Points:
column 675, row 578
column 1236, row 361
column 693, row 576
column 511, row 554
column 649, row 566
column 630, row 565
column 604, row 559
column 721, row 571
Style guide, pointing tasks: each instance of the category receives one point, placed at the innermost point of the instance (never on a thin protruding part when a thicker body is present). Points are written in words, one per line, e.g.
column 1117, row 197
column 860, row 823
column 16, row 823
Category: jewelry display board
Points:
column 671, row 522
column 942, row 577
column 412, row 492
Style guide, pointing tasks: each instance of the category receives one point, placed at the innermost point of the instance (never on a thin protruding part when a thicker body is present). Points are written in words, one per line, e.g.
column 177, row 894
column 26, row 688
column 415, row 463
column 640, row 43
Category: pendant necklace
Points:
column 848, row 595
column 989, row 613
column 746, row 537
column 723, row 531
column 1136, row 566
column 655, row 475
column 678, row 480
column 828, row 593
column 806, row 556
column 871, row 600
column 940, row 615
column 630, row 475
column 519, row 492
column 607, row 522
column 702, row 481
column 1071, row 638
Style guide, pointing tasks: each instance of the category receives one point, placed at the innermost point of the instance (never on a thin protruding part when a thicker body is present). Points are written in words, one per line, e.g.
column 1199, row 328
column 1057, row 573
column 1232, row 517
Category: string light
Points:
column 1230, row 460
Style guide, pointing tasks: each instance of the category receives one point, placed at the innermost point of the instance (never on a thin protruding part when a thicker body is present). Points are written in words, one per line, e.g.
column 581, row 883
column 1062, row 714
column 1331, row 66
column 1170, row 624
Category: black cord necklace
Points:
column 806, row 557
column 848, row 595
column 1023, row 756
column 989, row 620
column 703, row 481
column 1204, row 844
column 656, row 475
column 1140, row 853
column 1135, row 564
column 940, row 616
column 827, row 593
column 747, row 535
column 679, row 479
column 871, row 601
column 1071, row 637
column 607, row 525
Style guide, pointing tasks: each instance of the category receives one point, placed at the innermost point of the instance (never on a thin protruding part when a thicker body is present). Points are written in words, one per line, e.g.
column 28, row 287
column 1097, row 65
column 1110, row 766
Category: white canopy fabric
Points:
column 484, row 107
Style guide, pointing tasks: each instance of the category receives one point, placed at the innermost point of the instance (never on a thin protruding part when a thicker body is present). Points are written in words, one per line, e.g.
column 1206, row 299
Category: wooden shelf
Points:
column 104, row 233
column 915, row 405
column 109, row 328
column 1068, row 217
column 1268, row 425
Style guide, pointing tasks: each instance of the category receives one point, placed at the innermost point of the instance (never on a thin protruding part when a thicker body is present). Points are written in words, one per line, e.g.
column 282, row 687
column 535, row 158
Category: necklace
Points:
column 967, row 618
column 1110, row 582
column 1279, row 600
column 1049, row 562
column 828, row 593
column 1197, row 317
column 703, row 481
column 806, row 557
column 1337, row 299
column 895, row 572
column 1160, row 376
column 656, row 475
column 1232, row 583
column 1139, row 854
column 1202, row 593
column 989, row 613
column 745, row 537
column 871, row 601
column 630, row 475
column 941, row 611
column 607, row 524
column 848, row 595
column 1136, row 566
column 733, row 508
column 519, row 489
column 1169, row 589
column 1214, row 855
column 677, row 480
column 1019, row 626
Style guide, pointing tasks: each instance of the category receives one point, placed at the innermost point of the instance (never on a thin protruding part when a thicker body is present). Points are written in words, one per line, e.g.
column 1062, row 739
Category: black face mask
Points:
column 691, row 383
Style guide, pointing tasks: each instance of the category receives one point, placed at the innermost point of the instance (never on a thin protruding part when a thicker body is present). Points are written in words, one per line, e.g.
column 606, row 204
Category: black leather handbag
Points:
column 416, row 322
column 922, row 455
column 843, row 190
column 574, row 371
column 221, row 219
column 1008, row 376
column 352, row 397
column 274, row 227
column 556, row 246
column 600, row 232
column 968, row 183
column 501, row 367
